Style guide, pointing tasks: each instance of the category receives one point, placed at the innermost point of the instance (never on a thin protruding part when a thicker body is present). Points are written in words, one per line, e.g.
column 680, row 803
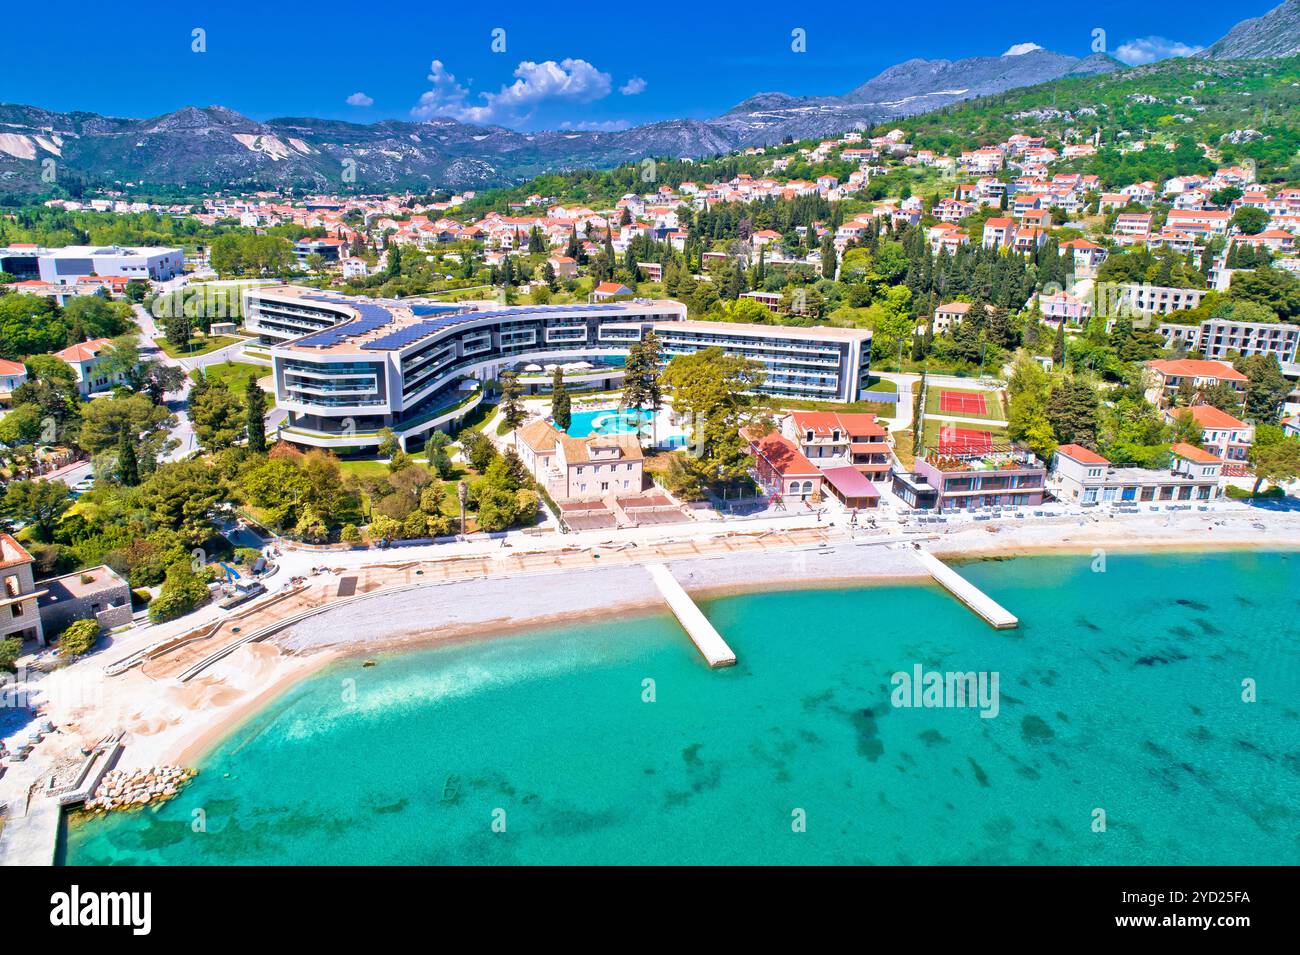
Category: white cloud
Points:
column 597, row 126
column 633, row 86
column 1148, row 49
column 360, row 99
column 570, row 80
column 1020, row 49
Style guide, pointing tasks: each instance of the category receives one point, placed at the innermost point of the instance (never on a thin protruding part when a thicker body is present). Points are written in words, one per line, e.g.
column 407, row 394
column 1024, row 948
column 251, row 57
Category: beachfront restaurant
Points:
column 1002, row 476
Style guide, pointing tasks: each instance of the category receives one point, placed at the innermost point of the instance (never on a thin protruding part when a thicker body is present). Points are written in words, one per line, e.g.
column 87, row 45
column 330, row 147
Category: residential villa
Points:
column 581, row 468
column 1079, row 475
column 1169, row 373
column 783, row 471
column 1064, row 307
column 97, row 593
column 948, row 316
column 829, row 439
column 1221, row 434
column 19, row 615
column 87, row 361
column 12, row 375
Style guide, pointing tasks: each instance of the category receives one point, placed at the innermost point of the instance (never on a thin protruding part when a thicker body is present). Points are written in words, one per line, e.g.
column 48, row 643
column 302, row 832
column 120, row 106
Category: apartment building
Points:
column 1127, row 298
column 819, row 363
column 1219, row 336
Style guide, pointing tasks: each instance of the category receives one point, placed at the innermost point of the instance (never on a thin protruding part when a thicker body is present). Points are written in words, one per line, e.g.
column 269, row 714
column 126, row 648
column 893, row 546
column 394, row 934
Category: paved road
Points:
column 177, row 401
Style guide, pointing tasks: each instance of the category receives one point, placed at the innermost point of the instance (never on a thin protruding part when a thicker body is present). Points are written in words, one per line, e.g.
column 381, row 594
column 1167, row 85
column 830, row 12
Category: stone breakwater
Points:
column 123, row 789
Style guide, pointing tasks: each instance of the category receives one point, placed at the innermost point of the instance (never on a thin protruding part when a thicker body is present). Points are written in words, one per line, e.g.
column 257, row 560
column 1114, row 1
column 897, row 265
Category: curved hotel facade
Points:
column 346, row 367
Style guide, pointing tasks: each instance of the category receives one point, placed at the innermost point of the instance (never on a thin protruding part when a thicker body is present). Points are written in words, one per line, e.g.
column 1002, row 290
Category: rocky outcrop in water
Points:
column 128, row 789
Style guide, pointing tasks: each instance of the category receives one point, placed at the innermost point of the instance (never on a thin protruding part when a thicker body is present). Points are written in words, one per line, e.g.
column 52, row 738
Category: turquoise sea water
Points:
column 1120, row 691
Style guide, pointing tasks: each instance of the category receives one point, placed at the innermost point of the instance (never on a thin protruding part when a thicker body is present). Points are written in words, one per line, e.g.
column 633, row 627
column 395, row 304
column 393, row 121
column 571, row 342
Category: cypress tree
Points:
column 561, row 404
column 255, row 424
column 128, row 465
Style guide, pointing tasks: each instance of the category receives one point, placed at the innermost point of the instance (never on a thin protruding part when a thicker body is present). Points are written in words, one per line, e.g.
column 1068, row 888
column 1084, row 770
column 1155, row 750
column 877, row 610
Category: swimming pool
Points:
column 608, row 421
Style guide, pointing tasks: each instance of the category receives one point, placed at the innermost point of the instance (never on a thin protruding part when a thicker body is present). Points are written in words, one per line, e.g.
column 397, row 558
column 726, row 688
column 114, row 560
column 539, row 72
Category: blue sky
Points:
column 599, row 66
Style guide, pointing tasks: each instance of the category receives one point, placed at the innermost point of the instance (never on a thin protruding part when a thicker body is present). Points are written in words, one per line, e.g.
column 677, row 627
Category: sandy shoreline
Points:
column 182, row 723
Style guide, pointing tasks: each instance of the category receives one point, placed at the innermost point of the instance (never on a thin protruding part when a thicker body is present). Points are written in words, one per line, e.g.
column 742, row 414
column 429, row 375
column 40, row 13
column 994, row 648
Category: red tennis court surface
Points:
column 963, row 402
column 964, row 441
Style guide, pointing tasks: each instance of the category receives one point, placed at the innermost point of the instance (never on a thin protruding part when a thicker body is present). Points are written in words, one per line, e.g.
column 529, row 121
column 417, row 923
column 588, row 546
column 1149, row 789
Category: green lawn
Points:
column 197, row 346
column 880, row 409
column 364, row 467
column 234, row 374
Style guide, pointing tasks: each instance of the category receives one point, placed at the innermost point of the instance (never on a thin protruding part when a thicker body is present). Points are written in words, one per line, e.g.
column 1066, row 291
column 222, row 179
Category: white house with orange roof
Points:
column 999, row 232
column 12, row 375
column 87, row 360
column 1087, row 256
column 1079, row 475
column 1168, row 374
column 1221, row 433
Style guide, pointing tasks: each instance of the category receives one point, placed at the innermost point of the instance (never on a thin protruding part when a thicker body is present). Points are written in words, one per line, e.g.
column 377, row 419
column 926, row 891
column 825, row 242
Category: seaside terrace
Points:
column 948, row 479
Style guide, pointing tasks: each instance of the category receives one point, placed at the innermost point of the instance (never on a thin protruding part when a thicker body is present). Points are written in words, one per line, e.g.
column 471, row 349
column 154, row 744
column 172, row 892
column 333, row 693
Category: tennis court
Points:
column 963, row 402
column 964, row 441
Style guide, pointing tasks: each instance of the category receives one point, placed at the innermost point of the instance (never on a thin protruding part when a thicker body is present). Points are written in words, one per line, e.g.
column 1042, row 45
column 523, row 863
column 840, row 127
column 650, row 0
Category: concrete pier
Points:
column 966, row 592
column 707, row 639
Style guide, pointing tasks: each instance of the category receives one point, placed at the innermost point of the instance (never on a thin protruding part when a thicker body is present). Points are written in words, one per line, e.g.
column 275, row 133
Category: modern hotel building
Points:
column 347, row 367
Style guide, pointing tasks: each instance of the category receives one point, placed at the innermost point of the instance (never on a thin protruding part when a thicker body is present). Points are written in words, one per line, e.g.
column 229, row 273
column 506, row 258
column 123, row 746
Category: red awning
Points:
column 850, row 482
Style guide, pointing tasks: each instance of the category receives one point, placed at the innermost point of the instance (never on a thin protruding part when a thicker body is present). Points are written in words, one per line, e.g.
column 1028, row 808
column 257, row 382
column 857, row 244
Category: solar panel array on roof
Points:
column 402, row 337
column 369, row 318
